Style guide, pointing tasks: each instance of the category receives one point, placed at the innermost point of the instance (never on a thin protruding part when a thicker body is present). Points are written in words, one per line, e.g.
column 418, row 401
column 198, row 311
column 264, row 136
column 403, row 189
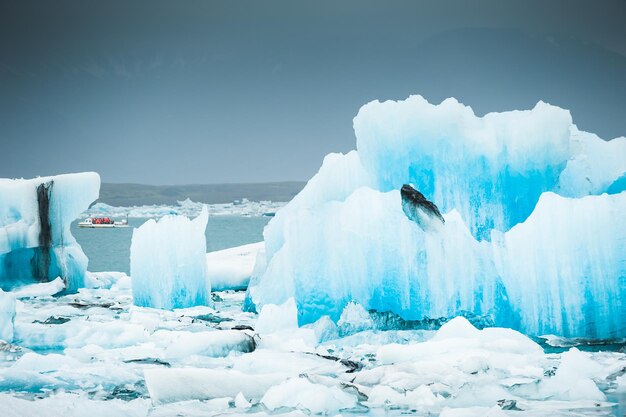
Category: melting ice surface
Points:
column 35, row 240
column 534, row 235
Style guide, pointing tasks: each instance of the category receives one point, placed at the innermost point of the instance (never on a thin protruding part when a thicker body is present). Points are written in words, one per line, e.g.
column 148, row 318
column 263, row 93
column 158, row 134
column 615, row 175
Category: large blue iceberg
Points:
column 532, row 239
column 35, row 217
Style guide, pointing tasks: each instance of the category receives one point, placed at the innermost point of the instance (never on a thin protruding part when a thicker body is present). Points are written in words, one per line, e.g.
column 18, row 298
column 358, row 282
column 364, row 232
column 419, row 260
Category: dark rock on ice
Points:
column 53, row 320
column 149, row 361
column 242, row 327
column 419, row 209
column 509, row 405
column 128, row 392
column 211, row 318
column 353, row 366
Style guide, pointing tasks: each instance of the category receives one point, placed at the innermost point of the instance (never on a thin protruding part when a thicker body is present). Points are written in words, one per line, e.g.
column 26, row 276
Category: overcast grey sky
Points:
column 252, row 91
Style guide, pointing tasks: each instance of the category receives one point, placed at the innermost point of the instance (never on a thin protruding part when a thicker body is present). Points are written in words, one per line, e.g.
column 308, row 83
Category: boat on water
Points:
column 102, row 223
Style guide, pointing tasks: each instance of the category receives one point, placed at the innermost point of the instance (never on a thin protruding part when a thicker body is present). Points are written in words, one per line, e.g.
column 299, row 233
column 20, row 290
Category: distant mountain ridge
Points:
column 141, row 194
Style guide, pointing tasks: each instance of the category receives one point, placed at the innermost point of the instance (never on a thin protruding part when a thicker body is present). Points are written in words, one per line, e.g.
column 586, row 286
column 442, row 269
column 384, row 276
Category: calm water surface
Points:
column 109, row 249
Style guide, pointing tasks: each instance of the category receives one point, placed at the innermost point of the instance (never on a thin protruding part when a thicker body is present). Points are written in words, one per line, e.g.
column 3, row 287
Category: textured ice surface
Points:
column 35, row 239
column 94, row 353
column 302, row 394
column 7, row 316
column 596, row 166
column 564, row 269
column 168, row 263
column 491, row 169
column 44, row 289
column 511, row 253
column 380, row 259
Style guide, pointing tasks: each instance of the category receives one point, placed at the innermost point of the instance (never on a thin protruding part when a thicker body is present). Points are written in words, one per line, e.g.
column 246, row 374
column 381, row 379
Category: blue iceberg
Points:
column 35, row 240
column 531, row 239
column 168, row 262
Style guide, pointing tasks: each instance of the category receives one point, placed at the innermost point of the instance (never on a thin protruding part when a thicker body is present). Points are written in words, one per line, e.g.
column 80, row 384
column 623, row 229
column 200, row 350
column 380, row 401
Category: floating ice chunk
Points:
column 45, row 289
column 103, row 279
column 573, row 379
column 7, row 316
column 302, row 394
column 241, row 402
column 325, row 329
column 274, row 318
column 32, row 361
column 35, row 240
column 230, row 269
column 458, row 327
column 421, row 397
column 218, row 343
column 458, row 335
column 265, row 361
column 109, row 334
column 278, row 327
column 168, row 263
column 182, row 384
column 354, row 318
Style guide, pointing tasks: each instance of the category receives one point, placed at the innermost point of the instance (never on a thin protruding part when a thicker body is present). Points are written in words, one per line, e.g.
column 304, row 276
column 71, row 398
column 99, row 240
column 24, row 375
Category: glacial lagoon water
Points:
column 109, row 249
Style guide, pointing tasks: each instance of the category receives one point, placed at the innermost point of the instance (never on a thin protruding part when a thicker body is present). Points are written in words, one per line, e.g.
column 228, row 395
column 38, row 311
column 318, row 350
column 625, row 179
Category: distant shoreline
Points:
column 130, row 194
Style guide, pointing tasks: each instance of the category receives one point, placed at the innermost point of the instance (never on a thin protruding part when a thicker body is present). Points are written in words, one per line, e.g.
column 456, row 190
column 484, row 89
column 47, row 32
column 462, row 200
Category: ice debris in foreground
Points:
column 92, row 351
column 168, row 263
column 531, row 238
column 35, row 240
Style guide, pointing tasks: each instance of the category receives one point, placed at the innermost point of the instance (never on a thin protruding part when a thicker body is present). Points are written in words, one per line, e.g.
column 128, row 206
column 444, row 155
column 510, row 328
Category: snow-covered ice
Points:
column 44, row 289
column 168, row 262
column 230, row 269
column 35, row 240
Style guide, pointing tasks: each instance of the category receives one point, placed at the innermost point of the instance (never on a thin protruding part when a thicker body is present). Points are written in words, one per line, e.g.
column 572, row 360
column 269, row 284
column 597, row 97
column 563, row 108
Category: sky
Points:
column 199, row 92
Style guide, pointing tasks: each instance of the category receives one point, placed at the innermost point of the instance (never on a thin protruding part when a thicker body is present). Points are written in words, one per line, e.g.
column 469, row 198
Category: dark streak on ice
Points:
column 149, row 361
column 40, row 262
column 53, row 320
column 352, row 366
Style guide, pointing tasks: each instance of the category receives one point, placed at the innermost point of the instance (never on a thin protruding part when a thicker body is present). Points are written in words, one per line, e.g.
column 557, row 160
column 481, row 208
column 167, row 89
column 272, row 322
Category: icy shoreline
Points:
column 95, row 353
column 187, row 208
